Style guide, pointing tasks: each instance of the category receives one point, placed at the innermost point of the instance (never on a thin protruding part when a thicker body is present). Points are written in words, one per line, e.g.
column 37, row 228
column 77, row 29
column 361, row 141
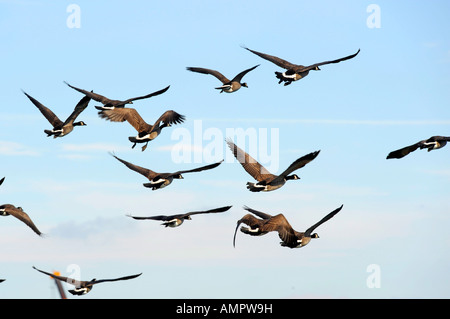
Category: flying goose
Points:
column 8, row 209
column 61, row 128
column 83, row 287
column 433, row 143
column 267, row 223
column 266, row 180
column 146, row 132
column 161, row 180
column 295, row 72
column 177, row 220
column 228, row 86
column 111, row 104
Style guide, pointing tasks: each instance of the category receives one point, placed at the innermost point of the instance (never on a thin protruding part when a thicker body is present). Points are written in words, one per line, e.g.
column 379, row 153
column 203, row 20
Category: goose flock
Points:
column 256, row 223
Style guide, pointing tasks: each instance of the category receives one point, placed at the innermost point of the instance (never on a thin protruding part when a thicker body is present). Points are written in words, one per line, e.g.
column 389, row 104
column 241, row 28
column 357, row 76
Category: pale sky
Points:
column 389, row 241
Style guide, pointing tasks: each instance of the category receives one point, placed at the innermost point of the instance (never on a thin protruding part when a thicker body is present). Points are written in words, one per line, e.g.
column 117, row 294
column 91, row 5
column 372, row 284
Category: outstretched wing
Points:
column 62, row 278
column 403, row 151
column 48, row 114
column 255, row 169
column 323, row 220
column 141, row 170
column 199, row 169
column 158, row 217
column 222, row 78
column 80, row 107
column 123, row 114
column 258, row 213
column 95, row 281
column 147, row 96
column 96, row 97
column 169, row 117
column 239, row 77
column 214, row 210
column 299, row 163
column 22, row 216
column 310, row 67
column 280, row 62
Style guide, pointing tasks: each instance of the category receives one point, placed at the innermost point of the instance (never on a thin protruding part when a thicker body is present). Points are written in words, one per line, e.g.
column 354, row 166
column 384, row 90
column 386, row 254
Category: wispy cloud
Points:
column 93, row 147
column 16, row 149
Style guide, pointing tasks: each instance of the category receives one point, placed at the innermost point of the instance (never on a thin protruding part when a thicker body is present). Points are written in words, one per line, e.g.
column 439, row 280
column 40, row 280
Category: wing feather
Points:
column 126, row 114
column 255, row 169
column 276, row 60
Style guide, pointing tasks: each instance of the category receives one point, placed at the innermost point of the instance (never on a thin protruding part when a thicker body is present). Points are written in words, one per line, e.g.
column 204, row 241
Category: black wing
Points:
column 95, row 281
column 62, row 278
column 48, row 114
column 310, row 67
column 80, row 107
column 323, row 220
column 276, row 60
column 1, row 180
column 214, row 210
column 238, row 77
column 147, row 96
column 158, row 217
column 258, row 213
column 299, row 163
column 403, row 151
column 199, row 169
column 222, row 78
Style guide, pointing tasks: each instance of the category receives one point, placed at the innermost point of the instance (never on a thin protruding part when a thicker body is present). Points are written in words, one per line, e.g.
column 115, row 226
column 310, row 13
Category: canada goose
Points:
column 111, row 104
column 60, row 128
column 161, row 180
column 83, row 287
column 433, row 143
column 295, row 72
column 8, row 209
column 290, row 237
column 228, row 86
column 146, row 132
column 266, row 180
column 177, row 220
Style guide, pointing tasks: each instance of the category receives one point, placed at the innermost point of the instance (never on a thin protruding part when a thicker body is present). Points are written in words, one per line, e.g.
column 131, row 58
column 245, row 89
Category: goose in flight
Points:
column 177, row 220
column 83, row 287
column 111, row 104
column 267, row 223
column 146, row 132
column 61, row 128
column 161, row 180
column 433, row 143
column 228, row 86
column 266, row 180
column 295, row 72
column 11, row 210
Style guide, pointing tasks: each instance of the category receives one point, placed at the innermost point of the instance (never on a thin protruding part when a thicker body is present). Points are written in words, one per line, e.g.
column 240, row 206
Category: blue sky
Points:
column 394, row 93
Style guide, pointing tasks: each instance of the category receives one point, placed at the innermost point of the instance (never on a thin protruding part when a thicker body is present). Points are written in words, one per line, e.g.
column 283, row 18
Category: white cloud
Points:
column 16, row 149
